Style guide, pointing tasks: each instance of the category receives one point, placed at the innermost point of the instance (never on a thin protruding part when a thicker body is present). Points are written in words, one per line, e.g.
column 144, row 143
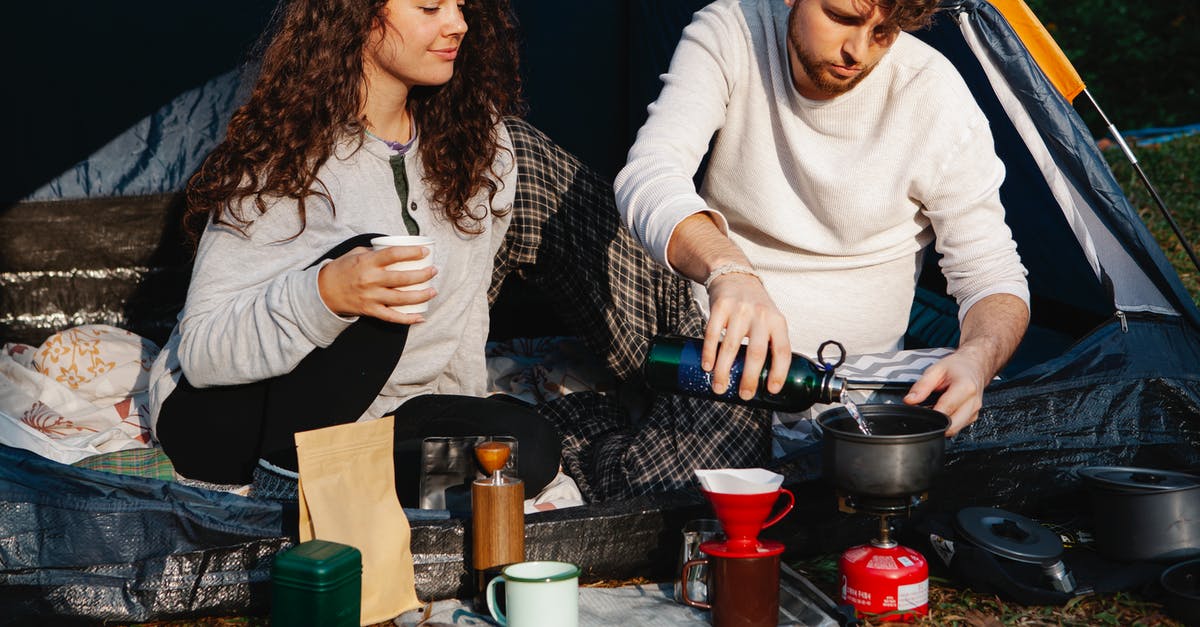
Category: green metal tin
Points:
column 317, row 583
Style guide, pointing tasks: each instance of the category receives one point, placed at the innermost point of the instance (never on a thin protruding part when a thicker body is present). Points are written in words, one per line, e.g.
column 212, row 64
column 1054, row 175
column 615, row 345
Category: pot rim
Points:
column 1095, row 478
column 871, row 410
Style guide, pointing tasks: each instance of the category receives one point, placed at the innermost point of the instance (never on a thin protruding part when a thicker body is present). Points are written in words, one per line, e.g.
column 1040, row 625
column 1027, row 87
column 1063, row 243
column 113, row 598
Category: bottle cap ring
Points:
column 821, row 355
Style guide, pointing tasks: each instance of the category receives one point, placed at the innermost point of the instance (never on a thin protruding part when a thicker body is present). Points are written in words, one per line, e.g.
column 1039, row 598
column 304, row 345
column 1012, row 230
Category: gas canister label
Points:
column 912, row 596
column 857, row 597
column 856, row 554
column 882, row 562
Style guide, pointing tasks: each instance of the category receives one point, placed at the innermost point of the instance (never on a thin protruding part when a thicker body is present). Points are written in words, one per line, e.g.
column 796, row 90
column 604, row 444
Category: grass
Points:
column 1173, row 168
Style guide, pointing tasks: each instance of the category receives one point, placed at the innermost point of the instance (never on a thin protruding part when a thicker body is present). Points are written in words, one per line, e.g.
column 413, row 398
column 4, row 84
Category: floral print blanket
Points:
column 81, row 393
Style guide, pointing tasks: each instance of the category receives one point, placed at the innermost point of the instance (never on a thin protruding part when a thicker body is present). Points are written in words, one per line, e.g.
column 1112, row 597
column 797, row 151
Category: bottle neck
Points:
column 833, row 388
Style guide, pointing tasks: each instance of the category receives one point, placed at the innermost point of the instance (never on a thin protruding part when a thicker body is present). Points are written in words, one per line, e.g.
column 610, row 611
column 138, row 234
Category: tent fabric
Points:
column 1127, row 284
column 1069, row 142
column 159, row 153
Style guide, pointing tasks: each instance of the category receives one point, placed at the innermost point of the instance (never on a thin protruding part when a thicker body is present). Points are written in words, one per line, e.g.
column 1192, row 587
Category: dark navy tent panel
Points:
column 78, row 73
column 1067, row 296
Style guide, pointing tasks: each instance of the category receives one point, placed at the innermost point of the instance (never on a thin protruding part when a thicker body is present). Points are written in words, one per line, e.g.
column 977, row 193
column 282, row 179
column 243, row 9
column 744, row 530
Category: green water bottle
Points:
column 673, row 366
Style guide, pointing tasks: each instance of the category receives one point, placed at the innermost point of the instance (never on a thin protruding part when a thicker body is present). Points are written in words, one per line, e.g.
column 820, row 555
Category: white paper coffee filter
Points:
column 739, row 480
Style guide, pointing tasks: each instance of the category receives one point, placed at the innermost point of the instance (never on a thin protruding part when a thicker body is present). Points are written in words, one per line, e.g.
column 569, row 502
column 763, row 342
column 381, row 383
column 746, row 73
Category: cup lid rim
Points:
column 412, row 240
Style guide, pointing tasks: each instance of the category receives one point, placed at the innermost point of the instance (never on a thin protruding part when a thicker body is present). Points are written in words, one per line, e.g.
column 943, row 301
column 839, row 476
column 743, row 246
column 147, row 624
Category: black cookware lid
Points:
column 1137, row 480
column 1009, row 535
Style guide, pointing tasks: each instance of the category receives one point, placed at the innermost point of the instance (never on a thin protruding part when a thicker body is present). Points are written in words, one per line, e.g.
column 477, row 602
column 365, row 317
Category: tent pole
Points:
column 1162, row 206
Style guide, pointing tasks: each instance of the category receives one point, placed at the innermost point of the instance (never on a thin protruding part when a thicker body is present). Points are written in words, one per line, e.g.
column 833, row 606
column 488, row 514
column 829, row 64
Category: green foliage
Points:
column 1140, row 60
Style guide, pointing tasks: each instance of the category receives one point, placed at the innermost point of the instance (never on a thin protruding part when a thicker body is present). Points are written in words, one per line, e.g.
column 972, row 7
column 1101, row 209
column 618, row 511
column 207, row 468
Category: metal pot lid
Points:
column 1009, row 535
column 1138, row 480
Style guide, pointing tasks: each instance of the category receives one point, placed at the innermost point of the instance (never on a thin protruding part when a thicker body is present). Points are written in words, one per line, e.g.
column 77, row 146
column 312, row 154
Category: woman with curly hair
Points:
column 369, row 117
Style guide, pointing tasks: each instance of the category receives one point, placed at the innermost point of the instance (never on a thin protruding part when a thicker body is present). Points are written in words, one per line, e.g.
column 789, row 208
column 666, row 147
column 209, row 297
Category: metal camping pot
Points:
column 1143, row 513
column 900, row 457
column 1181, row 583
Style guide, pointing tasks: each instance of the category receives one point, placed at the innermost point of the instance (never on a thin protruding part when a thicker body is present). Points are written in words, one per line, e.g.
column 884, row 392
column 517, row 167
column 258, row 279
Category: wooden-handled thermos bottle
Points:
column 498, row 514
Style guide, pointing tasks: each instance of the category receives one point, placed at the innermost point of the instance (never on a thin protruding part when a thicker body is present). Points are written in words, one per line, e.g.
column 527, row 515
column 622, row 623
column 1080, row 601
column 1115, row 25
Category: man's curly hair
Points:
column 907, row 15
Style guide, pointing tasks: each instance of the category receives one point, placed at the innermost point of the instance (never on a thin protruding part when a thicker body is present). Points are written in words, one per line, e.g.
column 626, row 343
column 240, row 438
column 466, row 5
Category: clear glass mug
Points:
column 695, row 532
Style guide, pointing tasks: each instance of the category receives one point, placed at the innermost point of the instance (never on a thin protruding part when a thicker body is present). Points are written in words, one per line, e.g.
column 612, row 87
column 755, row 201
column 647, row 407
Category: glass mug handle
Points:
column 686, row 599
column 791, row 499
column 491, row 600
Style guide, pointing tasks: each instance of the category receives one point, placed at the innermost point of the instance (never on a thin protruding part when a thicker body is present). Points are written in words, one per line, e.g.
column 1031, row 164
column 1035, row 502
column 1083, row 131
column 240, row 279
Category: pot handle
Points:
column 791, row 498
column 1147, row 478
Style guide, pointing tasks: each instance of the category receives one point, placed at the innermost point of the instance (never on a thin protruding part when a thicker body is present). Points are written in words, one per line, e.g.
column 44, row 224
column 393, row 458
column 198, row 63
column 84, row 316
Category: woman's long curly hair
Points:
column 309, row 96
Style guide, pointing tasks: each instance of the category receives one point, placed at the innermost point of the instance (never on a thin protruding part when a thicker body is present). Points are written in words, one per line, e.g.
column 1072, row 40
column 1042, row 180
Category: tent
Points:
column 1109, row 373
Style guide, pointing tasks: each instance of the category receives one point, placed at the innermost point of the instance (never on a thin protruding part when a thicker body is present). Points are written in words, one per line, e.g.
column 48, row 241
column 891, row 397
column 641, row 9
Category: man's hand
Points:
column 991, row 331
column 961, row 376
column 359, row 283
column 740, row 306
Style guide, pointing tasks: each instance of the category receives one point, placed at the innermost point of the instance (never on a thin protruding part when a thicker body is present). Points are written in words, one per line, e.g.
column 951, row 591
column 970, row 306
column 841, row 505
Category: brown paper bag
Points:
column 348, row 495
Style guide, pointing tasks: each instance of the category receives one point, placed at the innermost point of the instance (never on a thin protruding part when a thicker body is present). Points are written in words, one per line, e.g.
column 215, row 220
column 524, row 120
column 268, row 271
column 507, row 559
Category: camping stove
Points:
column 882, row 577
column 880, row 506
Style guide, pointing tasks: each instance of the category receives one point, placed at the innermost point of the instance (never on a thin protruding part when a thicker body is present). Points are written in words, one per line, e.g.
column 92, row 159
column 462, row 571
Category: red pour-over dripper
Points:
column 742, row 516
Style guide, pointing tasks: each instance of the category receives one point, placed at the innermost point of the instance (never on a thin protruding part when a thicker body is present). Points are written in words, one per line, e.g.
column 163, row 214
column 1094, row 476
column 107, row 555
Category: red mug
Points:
column 742, row 591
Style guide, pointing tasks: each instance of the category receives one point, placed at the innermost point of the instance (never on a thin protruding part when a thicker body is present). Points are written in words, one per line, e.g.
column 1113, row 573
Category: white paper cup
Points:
column 387, row 241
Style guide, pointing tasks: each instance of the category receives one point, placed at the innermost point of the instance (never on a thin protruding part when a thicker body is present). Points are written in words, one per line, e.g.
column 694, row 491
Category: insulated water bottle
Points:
column 673, row 366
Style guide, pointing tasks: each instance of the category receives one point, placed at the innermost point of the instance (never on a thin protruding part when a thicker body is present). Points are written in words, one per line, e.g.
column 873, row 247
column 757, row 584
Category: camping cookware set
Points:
column 1143, row 513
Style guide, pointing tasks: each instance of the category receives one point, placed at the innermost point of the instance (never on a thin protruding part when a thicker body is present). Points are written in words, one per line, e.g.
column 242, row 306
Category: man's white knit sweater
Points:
column 832, row 201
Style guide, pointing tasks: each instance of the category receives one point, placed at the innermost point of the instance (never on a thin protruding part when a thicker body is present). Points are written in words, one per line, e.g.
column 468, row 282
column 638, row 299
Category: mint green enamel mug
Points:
column 537, row 594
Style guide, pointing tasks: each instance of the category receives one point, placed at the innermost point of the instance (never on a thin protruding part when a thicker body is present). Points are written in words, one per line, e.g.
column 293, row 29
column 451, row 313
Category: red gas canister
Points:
column 892, row 580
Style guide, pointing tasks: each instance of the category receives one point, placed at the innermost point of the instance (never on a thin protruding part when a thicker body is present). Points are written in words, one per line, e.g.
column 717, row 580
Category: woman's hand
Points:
column 740, row 306
column 359, row 284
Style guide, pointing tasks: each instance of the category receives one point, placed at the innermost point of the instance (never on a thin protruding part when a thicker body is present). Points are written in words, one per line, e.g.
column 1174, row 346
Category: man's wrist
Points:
column 729, row 268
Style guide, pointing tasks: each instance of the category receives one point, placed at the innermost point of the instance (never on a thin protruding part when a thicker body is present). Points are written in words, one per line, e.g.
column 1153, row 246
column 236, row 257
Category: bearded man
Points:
column 843, row 146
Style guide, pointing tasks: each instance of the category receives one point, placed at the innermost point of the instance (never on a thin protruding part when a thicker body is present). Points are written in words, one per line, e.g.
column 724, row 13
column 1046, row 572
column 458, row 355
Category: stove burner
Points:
column 859, row 504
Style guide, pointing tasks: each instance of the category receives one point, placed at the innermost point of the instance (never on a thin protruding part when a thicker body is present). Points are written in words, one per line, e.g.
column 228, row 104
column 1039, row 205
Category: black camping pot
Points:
column 1181, row 583
column 1143, row 513
column 897, row 460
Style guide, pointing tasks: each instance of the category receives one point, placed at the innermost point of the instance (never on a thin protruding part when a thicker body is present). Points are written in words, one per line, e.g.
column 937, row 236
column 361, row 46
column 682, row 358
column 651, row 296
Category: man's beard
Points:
column 824, row 80
column 817, row 69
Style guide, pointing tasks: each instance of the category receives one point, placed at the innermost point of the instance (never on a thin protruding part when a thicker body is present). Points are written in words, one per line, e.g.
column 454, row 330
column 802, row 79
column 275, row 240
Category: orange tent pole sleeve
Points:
column 1042, row 46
